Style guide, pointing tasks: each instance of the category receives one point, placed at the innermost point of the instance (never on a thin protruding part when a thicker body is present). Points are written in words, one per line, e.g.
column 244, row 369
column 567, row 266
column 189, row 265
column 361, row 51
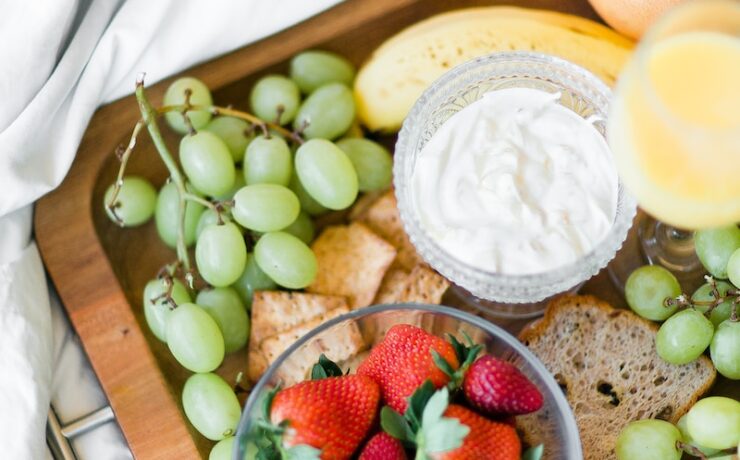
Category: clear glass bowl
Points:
column 553, row 425
column 581, row 91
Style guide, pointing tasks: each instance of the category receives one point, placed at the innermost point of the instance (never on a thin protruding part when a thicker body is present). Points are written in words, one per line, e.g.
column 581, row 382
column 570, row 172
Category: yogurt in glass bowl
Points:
column 505, row 182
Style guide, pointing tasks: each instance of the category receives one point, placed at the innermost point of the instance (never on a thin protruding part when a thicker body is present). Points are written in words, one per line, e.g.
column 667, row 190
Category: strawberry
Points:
column 383, row 447
column 497, row 387
column 443, row 431
column 486, row 440
column 406, row 358
column 333, row 415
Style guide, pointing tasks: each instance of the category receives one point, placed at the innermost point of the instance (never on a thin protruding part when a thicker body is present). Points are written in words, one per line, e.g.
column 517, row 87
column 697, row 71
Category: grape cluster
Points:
column 707, row 319
column 250, row 185
column 710, row 428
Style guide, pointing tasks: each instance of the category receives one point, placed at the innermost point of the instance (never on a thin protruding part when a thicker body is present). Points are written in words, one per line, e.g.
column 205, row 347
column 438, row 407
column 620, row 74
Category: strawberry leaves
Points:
column 438, row 433
column 465, row 356
column 423, row 425
column 533, row 453
column 324, row 368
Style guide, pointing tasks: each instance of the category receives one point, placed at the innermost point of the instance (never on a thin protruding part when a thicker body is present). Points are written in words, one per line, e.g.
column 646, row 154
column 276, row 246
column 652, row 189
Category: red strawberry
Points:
column 487, row 440
column 383, row 447
column 404, row 360
column 498, row 388
column 333, row 414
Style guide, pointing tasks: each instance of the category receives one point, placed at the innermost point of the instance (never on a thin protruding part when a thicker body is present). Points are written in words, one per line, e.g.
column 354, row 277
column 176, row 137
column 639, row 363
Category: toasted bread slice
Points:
column 604, row 358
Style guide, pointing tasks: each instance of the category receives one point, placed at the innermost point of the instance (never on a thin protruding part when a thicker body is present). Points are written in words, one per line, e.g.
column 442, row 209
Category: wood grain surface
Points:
column 100, row 270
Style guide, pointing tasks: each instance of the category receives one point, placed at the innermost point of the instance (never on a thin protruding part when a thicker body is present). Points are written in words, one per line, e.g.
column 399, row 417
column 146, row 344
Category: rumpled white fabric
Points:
column 60, row 60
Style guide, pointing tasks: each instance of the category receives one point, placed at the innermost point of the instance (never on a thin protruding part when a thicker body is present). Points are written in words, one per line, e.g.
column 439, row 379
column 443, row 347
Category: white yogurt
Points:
column 516, row 183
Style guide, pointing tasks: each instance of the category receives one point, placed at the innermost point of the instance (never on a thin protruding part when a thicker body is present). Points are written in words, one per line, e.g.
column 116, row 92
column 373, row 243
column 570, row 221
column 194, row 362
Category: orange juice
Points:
column 674, row 129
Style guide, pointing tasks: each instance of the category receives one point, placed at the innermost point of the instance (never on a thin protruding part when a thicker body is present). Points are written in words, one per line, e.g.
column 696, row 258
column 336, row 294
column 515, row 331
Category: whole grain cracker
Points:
column 382, row 218
column 392, row 286
column 340, row 343
column 362, row 204
column 424, row 285
column 274, row 312
column 352, row 261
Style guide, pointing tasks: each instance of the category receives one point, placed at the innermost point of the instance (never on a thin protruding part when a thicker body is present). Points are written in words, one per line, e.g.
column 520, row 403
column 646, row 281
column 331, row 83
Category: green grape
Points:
column 714, row 422
column 683, row 337
column 157, row 311
column 273, row 92
column 208, row 218
column 252, row 279
column 207, row 163
column 715, row 246
column 302, row 228
column 223, row 449
column 135, row 201
column 166, row 216
column 175, row 95
column 239, row 182
column 268, row 161
column 265, row 207
column 646, row 289
column 234, row 132
column 327, row 113
column 194, row 338
column 286, row 259
column 226, row 307
column 326, row 173
column 725, row 349
column 649, row 440
column 704, row 294
column 308, row 203
column 311, row 69
column 733, row 267
column 221, row 254
column 211, row 406
column 373, row 163
column 687, row 439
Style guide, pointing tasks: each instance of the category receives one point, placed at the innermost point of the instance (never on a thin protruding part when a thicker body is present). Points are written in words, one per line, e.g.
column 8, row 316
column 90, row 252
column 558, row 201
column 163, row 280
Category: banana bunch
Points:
column 406, row 64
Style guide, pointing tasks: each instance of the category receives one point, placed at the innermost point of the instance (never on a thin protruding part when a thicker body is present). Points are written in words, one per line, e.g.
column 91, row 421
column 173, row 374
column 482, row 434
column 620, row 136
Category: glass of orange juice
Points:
column 674, row 129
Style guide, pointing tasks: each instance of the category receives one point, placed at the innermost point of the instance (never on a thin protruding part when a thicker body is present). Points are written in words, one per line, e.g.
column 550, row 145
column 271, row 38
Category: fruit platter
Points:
column 410, row 229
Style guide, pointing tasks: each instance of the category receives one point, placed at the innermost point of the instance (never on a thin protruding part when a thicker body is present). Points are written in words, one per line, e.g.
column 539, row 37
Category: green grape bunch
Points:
column 706, row 320
column 241, row 194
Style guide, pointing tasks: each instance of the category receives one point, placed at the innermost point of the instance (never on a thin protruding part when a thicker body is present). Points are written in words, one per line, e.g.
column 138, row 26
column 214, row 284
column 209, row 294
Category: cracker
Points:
column 424, row 285
column 382, row 218
column 352, row 261
column 274, row 312
column 392, row 286
column 338, row 344
column 353, row 362
column 362, row 204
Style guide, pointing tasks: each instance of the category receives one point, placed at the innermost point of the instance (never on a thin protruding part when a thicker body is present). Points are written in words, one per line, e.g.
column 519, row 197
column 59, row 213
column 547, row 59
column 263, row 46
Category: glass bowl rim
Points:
column 563, row 408
column 597, row 258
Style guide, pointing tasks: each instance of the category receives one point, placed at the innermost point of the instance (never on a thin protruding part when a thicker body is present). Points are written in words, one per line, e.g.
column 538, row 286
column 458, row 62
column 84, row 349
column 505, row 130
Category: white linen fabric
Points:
column 60, row 60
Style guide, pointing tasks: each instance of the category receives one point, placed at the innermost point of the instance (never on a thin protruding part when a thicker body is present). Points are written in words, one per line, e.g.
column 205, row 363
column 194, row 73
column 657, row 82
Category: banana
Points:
column 397, row 73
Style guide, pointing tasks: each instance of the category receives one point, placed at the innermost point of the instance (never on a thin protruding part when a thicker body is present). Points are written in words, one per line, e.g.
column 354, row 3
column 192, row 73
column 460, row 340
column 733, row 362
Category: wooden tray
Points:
column 100, row 270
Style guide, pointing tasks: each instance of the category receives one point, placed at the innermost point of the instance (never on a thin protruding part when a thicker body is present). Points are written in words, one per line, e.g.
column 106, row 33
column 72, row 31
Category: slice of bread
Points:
column 605, row 361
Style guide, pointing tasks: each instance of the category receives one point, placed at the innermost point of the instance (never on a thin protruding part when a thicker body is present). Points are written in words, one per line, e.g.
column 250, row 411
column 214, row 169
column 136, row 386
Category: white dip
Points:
column 515, row 183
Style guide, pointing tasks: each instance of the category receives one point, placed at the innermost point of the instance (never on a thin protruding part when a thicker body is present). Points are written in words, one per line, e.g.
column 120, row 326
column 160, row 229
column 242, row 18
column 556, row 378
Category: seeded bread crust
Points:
column 604, row 358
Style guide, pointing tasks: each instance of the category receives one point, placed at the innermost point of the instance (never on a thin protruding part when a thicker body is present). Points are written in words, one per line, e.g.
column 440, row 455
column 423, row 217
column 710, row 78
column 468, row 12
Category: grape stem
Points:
column 123, row 156
column 229, row 112
column 685, row 301
column 149, row 116
column 691, row 450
